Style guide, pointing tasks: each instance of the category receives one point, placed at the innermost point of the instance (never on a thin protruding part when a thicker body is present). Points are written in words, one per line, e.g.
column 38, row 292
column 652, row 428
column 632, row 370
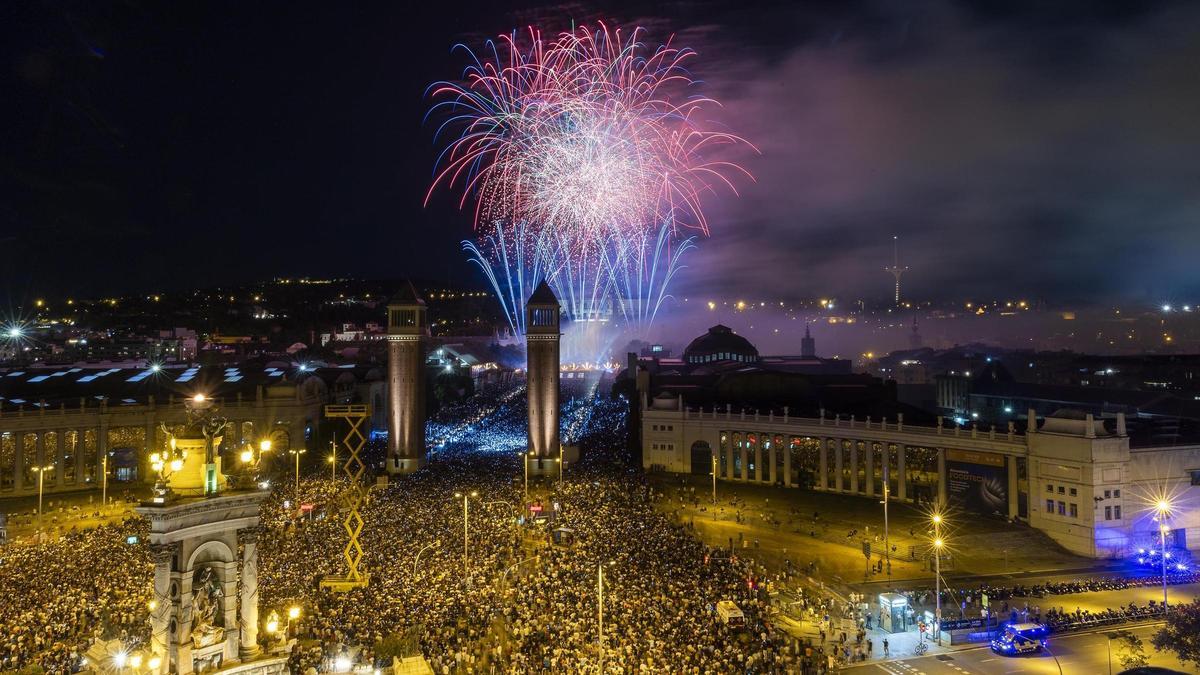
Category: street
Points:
column 1078, row 654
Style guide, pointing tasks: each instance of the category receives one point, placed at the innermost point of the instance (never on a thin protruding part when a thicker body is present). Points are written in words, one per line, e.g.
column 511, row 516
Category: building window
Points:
column 1195, row 478
column 1049, row 487
column 1049, row 506
column 1074, row 510
column 1073, row 492
column 1116, row 512
column 1062, row 508
column 1117, row 494
column 1108, row 493
column 1061, row 489
column 1108, row 513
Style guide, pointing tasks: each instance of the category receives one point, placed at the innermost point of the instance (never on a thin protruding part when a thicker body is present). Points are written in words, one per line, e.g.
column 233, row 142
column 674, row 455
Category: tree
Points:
column 1130, row 650
column 1181, row 634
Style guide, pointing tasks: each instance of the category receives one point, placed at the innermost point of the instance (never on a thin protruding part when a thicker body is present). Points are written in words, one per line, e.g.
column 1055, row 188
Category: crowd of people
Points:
column 56, row 598
column 515, row 601
column 522, row 594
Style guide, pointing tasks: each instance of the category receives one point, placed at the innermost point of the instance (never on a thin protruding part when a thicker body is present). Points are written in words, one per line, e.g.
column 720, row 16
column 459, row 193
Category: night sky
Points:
column 1016, row 151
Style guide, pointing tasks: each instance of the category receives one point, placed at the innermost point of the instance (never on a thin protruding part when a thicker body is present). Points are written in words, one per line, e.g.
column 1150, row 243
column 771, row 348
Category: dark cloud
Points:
column 1019, row 154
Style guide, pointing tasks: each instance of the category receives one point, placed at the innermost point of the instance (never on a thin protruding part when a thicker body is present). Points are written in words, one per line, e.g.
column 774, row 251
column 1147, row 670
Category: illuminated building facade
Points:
column 1072, row 477
column 408, row 331
column 83, row 422
column 542, row 375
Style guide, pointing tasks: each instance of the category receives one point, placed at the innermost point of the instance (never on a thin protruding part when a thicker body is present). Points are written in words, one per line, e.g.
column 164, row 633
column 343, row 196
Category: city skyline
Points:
column 1013, row 152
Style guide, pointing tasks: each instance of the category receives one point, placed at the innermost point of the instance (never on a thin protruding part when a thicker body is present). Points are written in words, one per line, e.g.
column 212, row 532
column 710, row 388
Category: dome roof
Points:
column 720, row 343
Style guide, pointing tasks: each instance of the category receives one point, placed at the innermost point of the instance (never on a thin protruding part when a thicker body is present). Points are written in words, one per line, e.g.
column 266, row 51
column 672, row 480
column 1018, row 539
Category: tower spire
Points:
column 896, row 270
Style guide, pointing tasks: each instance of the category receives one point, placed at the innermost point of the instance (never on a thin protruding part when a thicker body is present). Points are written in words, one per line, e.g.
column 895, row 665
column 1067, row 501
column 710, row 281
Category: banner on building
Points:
column 977, row 481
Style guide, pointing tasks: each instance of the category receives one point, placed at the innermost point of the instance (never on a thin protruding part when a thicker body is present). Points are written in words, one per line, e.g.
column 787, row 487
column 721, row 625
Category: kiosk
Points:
column 892, row 608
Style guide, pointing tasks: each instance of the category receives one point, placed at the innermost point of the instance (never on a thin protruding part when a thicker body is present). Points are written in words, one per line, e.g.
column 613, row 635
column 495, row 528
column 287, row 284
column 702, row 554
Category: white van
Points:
column 729, row 614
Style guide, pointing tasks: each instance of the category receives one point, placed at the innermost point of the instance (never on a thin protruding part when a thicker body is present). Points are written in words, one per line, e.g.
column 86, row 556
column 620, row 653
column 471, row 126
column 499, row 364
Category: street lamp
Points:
column 333, row 460
column 41, row 472
column 714, row 476
column 1163, row 509
column 104, row 479
column 525, row 458
column 293, row 614
column 562, row 465
column 938, row 543
column 600, row 609
column 296, row 453
column 887, row 549
column 466, row 500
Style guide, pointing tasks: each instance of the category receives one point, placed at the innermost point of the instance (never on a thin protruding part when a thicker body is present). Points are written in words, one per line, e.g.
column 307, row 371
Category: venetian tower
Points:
column 407, row 330
column 542, row 353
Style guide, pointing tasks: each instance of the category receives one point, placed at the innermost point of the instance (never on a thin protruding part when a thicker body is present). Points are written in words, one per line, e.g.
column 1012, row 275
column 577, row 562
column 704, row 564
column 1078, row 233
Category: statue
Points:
column 206, row 603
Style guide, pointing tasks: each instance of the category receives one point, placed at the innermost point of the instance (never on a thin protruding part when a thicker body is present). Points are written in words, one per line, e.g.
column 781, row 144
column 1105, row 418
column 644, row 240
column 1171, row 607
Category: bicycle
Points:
column 920, row 649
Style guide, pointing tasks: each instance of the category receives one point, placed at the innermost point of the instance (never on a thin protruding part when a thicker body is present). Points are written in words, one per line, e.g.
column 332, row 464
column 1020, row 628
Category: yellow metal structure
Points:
column 352, row 498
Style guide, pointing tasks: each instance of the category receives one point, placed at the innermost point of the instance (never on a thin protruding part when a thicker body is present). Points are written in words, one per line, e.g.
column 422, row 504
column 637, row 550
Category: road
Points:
column 1078, row 654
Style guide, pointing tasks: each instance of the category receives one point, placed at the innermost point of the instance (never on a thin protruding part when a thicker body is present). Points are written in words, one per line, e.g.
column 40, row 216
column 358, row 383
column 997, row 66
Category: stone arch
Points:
column 212, row 551
column 702, row 455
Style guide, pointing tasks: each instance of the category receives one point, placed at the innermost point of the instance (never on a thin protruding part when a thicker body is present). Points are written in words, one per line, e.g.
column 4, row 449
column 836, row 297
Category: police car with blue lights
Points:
column 1021, row 638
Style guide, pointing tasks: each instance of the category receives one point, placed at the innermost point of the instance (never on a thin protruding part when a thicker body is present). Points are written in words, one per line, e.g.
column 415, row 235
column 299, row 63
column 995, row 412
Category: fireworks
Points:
column 584, row 161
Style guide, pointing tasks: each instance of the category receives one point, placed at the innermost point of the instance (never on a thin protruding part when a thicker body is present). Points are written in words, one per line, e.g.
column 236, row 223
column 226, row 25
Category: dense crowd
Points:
column 55, row 600
column 523, row 604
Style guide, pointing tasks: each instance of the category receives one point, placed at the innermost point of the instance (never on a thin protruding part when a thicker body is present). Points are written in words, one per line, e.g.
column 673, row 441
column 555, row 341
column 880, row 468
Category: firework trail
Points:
column 584, row 162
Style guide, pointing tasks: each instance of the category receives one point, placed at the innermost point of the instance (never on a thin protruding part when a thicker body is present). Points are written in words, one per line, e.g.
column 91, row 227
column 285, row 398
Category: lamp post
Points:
column 562, row 465
column 714, row 475
column 466, row 512
column 41, row 472
column 525, row 458
column 600, row 611
column 333, row 460
column 293, row 614
column 887, row 549
column 296, row 453
column 938, row 543
column 103, row 480
column 1163, row 509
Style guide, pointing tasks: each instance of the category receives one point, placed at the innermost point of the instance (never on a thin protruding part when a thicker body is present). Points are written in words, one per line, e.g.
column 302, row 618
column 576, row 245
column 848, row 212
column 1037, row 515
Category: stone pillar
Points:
column 744, row 475
column 79, row 457
column 853, row 465
column 181, row 649
column 542, row 375
column 885, row 471
column 248, row 621
column 941, row 491
column 229, row 607
column 101, row 449
column 838, row 469
column 41, row 455
column 869, row 451
column 902, row 479
column 822, row 471
column 160, row 617
column 758, row 472
column 1012, row 487
column 19, row 461
column 60, row 458
column 729, row 455
column 787, row 465
column 772, row 460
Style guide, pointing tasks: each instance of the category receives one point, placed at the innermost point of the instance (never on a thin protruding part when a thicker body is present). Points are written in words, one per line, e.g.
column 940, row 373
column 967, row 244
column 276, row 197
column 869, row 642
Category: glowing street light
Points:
column 41, row 472
column 293, row 614
column 333, row 460
column 296, row 453
column 525, row 457
column 1163, row 510
column 938, row 544
column 466, row 501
